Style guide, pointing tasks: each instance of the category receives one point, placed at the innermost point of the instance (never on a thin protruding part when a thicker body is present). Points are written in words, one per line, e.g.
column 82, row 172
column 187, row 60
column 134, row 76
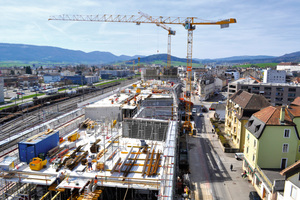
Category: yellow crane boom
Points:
column 170, row 32
column 189, row 24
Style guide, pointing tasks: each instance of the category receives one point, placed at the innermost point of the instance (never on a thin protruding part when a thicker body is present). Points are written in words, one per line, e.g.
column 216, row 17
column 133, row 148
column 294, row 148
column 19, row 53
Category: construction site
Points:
column 121, row 145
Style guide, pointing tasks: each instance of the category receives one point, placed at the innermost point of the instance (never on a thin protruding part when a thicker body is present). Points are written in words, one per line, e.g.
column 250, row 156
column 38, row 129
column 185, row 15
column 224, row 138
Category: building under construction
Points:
column 121, row 145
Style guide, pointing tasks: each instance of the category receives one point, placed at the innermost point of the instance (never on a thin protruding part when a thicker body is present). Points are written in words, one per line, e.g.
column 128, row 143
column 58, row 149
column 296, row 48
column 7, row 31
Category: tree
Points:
column 28, row 70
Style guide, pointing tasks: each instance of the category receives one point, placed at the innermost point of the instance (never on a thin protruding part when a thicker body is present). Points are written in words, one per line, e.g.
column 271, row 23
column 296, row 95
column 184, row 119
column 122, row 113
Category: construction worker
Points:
column 60, row 177
column 89, row 161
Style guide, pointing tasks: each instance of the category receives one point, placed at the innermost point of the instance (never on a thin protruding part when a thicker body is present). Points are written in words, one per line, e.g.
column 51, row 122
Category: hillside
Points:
column 28, row 53
column 46, row 54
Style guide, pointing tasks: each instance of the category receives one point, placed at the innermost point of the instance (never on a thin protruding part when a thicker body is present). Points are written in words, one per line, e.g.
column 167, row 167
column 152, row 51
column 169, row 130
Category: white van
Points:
column 239, row 156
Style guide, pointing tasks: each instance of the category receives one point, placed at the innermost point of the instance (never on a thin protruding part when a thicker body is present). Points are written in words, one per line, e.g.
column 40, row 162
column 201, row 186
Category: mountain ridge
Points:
column 30, row 53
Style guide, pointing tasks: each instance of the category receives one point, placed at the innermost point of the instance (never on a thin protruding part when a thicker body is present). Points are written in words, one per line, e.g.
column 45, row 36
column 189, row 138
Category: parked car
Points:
column 201, row 115
column 253, row 195
column 15, row 90
column 34, row 97
column 239, row 156
column 13, row 98
column 194, row 110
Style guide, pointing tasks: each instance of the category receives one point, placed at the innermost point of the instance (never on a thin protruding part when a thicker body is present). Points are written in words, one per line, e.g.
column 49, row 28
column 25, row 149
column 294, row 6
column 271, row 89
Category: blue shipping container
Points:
column 41, row 144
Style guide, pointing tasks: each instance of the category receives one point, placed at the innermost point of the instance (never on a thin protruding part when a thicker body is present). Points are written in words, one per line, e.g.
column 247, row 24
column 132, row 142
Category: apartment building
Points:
column 272, row 143
column 276, row 93
column 274, row 76
column 240, row 106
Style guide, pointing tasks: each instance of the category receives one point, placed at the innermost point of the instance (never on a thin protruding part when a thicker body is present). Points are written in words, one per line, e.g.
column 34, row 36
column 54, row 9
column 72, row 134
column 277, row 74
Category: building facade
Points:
column 52, row 78
column 240, row 106
column 289, row 66
column 271, row 144
column 274, row 76
column 276, row 93
column 292, row 182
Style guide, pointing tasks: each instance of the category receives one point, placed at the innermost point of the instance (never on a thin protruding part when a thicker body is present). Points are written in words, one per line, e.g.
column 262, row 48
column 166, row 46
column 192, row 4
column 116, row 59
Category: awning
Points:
column 248, row 165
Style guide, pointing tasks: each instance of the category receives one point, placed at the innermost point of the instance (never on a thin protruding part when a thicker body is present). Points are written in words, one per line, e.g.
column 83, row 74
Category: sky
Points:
column 264, row 27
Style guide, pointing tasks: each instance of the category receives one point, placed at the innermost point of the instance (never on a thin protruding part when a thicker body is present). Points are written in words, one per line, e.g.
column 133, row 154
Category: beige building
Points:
column 240, row 106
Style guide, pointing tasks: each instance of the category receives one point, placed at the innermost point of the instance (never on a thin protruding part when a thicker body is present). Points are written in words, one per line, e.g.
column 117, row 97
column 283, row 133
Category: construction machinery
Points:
column 37, row 164
column 75, row 136
column 189, row 24
column 170, row 32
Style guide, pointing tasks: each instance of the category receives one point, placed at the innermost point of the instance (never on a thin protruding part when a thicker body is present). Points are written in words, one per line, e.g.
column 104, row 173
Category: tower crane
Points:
column 170, row 32
column 189, row 24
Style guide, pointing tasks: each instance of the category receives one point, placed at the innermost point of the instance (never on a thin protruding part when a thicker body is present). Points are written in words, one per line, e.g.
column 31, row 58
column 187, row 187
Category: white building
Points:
column 292, row 182
column 288, row 66
column 233, row 74
column 274, row 76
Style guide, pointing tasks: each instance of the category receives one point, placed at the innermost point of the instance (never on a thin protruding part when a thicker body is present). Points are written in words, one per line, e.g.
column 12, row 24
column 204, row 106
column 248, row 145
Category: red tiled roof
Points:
column 271, row 116
column 255, row 79
column 296, row 101
column 294, row 110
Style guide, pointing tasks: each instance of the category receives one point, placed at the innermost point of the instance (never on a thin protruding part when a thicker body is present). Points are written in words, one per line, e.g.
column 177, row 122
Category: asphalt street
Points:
column 211, row 176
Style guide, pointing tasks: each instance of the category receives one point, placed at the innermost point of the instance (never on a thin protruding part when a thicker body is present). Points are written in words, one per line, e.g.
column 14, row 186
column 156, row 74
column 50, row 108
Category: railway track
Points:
column 28, row 120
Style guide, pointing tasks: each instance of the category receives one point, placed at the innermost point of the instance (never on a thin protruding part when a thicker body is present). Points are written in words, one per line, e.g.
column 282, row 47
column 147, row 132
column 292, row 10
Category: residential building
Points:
column 52, row 78
column 274, row 76
column 220, row 111
column 232, row 74
column 67, row 73
column 292, row 182
column 276, row 93
column 28, row 80
column 220, row 83
column 240, row 106
column 271, row 144
column 206, row 87
column 91, row 79
column 288, row 66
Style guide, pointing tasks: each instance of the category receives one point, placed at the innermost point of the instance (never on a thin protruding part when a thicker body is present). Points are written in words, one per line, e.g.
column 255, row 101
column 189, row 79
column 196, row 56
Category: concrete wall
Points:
column 102, row 113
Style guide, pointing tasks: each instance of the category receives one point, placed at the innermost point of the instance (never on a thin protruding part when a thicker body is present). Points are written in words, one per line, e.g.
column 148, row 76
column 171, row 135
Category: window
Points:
column 285, row 148
column 299, row 149
column 254, row 144
column 287, row 133
column 291, row 99
column 255, row 88
column 253, row 158
column 248, row 151
column 248, row 136
column 292, row 89
column 250, row 122
column 257, row 128
column 291, row 94
column 293, row 192
column 235, row 120
column 279, row 89
column 267, row 88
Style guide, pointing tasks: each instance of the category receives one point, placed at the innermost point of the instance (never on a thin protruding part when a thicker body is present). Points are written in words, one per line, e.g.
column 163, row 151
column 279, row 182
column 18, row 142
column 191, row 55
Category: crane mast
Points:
column 170, row 33
column 188, row 22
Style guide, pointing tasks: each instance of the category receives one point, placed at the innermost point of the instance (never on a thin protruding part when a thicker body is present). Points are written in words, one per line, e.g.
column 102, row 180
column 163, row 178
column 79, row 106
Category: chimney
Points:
column 282, row 113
